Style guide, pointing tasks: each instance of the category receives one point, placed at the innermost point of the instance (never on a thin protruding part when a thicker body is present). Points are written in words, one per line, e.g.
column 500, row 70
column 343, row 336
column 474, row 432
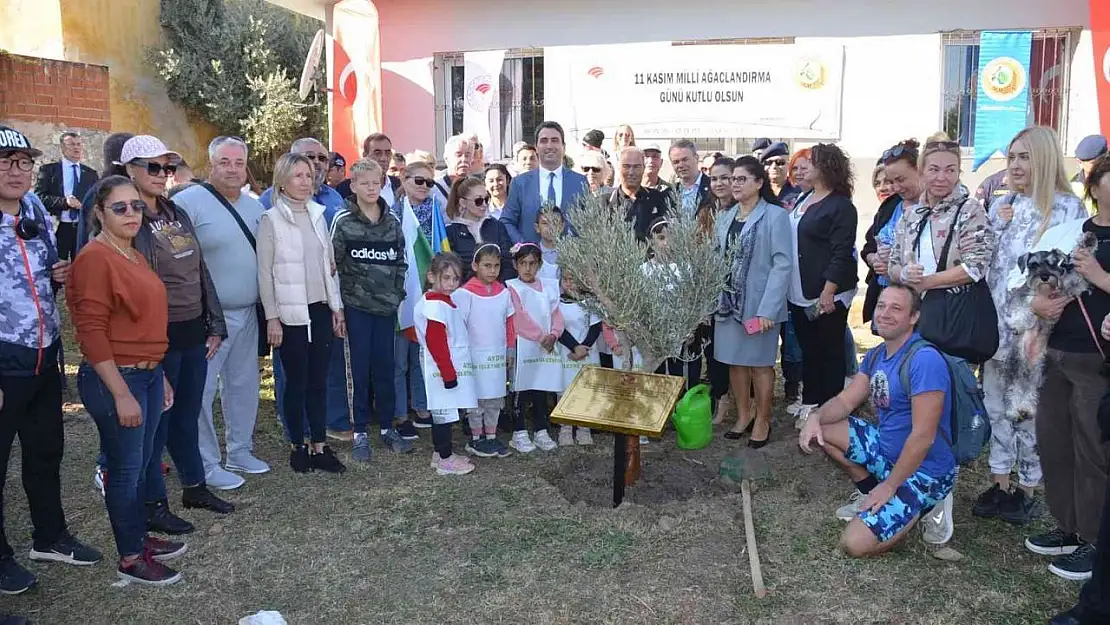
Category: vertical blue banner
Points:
column 1002, row 93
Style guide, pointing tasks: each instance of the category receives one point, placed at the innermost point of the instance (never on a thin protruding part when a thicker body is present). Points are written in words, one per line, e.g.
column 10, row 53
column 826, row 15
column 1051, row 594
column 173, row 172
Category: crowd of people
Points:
column 176, row 286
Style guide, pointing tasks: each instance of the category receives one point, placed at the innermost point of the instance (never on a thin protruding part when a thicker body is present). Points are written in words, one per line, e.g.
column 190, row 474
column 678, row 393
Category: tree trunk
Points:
column 632, row 462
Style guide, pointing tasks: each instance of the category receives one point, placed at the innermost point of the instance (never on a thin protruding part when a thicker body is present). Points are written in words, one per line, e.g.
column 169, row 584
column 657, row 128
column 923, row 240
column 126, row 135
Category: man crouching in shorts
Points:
column 903, row 466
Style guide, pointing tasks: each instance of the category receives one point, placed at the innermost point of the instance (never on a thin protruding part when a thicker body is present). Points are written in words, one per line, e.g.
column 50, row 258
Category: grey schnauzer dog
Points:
column 1023, row 367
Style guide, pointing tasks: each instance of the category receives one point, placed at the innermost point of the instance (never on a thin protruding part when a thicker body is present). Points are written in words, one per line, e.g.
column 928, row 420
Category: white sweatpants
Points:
column 233, row 371
column 1012, row 443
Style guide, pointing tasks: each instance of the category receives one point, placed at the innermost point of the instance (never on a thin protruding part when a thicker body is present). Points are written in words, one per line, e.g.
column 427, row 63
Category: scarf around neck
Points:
column 732, row 298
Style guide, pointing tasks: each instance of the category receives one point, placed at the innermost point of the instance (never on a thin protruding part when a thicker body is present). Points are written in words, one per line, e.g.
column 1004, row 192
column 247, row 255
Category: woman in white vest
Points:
column 304, row 313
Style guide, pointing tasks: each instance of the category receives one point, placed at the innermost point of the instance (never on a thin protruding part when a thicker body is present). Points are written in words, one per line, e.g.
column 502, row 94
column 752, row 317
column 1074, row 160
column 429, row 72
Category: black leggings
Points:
column 306, row 373
column 537, row 402
column 823, row 352
column 718, row 372
column 441, row 439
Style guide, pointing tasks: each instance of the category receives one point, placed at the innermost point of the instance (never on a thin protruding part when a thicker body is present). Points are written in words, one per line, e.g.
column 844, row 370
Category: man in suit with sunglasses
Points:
column 61, row 186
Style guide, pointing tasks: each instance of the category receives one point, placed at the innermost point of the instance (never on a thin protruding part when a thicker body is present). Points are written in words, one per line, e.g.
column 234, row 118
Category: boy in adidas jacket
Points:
column 370, row 258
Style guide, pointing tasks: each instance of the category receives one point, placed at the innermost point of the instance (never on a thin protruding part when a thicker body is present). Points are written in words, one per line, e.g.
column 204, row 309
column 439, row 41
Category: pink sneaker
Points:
column 453, row 465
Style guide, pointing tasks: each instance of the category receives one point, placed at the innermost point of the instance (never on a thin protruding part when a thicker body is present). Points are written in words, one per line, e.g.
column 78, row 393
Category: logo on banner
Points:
column 480, row 92
column 596, row 72
column 809, row 73
column 1003, row 79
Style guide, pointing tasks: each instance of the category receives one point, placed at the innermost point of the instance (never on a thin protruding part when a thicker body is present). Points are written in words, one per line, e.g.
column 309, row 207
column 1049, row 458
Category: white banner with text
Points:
column 664, row 90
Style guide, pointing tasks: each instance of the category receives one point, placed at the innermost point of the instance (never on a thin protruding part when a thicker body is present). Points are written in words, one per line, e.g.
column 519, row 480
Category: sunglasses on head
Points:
column 942, row 145
column 592, row 170
column 479, row 201
column 156, row 169
column 120, row 208
column 896, row 152
column 421, row 180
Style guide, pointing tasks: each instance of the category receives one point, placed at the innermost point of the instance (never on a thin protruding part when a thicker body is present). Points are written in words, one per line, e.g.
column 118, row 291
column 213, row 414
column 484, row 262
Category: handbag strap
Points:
column 234, row 214
column 942, row 262
column 1091, row 327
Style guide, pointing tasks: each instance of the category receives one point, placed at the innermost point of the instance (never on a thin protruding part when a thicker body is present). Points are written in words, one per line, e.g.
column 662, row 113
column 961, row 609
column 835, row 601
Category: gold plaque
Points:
column 615, row 400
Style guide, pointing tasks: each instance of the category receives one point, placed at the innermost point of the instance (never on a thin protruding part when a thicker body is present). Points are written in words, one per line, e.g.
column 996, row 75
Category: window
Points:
column 521, row 91
column 1050, row 77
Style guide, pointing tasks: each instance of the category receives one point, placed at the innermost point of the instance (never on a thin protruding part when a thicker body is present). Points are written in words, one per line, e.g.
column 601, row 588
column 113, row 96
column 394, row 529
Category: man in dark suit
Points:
column 691, row 186
column 551, row 183
column 61, row 186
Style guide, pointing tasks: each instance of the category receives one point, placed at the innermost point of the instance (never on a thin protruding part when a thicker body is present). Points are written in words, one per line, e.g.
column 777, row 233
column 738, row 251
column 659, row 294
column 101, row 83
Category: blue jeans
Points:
column 790, row 352
column 186, row 369
column 338, row 414
column 128, row 450
column 371, row 345
column 408, row 379
column 851, row 360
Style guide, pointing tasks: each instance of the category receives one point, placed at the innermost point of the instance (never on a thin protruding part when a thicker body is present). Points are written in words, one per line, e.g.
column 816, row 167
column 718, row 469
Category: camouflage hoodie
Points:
column 29, row 322
column 370, row 259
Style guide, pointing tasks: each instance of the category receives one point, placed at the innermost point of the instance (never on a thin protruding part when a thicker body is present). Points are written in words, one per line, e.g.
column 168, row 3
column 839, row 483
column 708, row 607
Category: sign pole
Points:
column 620, row 448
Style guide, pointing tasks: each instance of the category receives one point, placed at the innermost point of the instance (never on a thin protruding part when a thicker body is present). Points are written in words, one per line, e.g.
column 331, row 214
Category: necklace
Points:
column 127, row 255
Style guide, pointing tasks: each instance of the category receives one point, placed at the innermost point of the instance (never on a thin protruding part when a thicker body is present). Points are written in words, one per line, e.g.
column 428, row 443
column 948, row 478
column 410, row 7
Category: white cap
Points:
column 145, row 146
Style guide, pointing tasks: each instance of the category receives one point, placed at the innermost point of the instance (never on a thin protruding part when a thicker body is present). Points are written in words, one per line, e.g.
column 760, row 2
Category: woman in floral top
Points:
column 1040, row 198
column 921, row 233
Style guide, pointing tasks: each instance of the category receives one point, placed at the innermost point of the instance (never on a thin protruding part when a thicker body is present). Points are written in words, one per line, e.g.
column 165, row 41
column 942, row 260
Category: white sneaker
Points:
column 246, row 463
column 936, row 527
column 100, row 474
column 644, row 440
column 803, row 415
column 455, row 464
column 522, row 443
column 793, row 408
column 544, row 442
column 848, row 511
column 223, row 480
column 584, row 437
column 566, row 435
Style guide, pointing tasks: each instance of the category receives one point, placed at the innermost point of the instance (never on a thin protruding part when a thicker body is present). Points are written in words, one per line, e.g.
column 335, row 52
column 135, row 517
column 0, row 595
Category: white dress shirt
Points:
column 545, row 182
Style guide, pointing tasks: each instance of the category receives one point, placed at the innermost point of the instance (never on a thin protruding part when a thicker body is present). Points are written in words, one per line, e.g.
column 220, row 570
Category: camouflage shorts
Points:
column 917, row 494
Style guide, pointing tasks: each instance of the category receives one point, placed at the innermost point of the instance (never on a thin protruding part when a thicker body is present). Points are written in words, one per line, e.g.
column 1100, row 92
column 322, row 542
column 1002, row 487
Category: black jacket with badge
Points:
column 370, row 259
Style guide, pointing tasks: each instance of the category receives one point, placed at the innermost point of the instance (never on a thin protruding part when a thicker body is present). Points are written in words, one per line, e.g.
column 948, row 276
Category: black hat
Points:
column 1090, row 148
column 594, row 138
column 777, row 148
column 11, row 140
column 335, row 159
column 761, row 144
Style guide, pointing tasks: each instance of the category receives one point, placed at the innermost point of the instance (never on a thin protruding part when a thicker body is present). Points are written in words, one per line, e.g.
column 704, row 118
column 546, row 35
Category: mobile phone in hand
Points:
column 752, row 326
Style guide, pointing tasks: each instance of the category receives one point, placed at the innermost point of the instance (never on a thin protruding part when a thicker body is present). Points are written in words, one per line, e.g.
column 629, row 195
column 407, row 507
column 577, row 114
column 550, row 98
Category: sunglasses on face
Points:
column 479, row 201
column 421, row 180
column 592, row 170
column 156, row 169
column 776, row 162
column 319, row 158
column 120, row 208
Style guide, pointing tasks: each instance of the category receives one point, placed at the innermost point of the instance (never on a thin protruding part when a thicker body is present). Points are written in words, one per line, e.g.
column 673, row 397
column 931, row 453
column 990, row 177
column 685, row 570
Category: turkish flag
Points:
column 1100, row 36
column 356, row 76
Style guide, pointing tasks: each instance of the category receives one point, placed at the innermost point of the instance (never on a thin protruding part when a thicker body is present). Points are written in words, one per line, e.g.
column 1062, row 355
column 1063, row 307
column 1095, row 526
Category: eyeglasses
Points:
column 22, row 164
column 155, row 169
column 121, row 208
column 479, row 201
column 592, row 170
column 780, row 162
column 950, row 146
column 421, row 180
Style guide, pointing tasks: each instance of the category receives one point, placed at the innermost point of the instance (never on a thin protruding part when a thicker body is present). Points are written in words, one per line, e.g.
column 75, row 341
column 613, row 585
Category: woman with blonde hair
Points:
column 1040, row 197
column 623, row 138
column 299, row 289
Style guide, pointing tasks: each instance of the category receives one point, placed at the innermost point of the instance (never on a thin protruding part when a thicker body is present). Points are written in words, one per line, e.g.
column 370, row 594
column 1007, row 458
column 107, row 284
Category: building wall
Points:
column 116, row 34
column 889, row 44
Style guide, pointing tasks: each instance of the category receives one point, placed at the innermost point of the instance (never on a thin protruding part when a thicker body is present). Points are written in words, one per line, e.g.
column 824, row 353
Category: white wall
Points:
column 892, row 40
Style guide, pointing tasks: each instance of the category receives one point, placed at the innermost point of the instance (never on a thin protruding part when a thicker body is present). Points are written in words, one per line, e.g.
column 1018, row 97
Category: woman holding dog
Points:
column 1069, row 437
column 1040, row 197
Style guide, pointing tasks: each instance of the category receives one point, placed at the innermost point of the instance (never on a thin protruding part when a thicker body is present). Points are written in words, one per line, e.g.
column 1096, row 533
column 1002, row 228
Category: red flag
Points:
column 1100, row 37
column 356, row 76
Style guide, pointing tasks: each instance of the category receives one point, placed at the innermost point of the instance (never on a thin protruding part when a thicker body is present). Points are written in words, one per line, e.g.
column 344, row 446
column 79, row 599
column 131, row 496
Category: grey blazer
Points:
column 772, row 260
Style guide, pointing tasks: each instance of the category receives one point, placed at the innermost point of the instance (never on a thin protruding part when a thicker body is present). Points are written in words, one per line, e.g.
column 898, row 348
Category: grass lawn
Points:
column 530, row 539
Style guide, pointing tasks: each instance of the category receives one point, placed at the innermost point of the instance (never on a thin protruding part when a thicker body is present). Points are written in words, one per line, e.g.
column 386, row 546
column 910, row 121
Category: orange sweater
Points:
column 118, row 307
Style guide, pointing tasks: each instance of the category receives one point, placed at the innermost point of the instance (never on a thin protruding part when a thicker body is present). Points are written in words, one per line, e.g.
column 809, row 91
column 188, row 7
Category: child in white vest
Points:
column 576, row 346
column 538, row 324
column 486, row 309
column 445, row 358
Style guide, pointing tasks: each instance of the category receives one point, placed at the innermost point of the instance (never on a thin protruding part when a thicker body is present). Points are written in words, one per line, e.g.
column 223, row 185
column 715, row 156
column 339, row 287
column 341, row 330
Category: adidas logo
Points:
column 389, row 255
